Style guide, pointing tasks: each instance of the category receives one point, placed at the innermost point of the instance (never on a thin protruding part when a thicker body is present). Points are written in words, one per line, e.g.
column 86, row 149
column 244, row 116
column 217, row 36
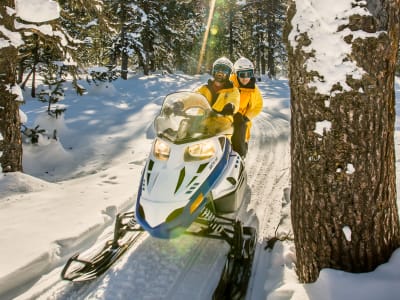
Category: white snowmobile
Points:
column 192, row 183
column 191, row 165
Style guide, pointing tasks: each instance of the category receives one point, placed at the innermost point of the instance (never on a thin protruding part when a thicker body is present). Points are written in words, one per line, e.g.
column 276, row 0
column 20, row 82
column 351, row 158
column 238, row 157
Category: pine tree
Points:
column 154, row 35
column 181, row 33
column 275, row 19
column 53, row 78
column 88, row 25
column 43, row 46
column 225, row 38
column 127, row 19
column 262, row 35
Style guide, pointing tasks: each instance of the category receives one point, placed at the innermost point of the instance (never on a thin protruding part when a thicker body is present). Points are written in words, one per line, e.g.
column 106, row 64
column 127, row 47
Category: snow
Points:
column 37, row 11
column 323, row 126
column 73, row 187
column 33, row 11
column 13, row 38
column 350, row 169
column 321, row 20
column 347, row 233
column 16, row 90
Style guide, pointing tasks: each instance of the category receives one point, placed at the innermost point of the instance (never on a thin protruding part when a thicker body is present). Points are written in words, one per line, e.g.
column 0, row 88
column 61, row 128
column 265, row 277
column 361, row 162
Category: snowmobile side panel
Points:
column 231, row 202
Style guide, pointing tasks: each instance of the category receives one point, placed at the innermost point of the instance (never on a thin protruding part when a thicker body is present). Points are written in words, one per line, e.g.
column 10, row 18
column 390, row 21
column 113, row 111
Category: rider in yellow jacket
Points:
column 220, row 92
column 251, row 102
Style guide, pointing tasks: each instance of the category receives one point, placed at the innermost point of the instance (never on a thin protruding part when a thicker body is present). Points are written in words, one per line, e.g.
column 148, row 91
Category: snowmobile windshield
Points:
column 187, row 116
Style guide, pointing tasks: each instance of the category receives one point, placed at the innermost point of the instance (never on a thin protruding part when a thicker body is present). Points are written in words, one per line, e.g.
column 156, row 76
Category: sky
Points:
column 72, row 187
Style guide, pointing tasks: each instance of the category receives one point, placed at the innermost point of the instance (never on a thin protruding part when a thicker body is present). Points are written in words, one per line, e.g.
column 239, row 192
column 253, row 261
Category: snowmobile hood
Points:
column 173, row 192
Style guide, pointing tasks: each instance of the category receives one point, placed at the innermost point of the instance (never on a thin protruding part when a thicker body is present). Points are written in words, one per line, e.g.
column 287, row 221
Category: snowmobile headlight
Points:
column 199, row 151
column 161, row 150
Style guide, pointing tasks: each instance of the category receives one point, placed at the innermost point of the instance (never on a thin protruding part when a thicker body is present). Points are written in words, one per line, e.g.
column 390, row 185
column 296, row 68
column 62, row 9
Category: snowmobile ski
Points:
column 126, row 233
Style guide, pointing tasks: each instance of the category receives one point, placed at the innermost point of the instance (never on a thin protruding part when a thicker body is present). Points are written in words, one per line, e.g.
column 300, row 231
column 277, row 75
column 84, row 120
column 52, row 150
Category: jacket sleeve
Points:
column 230, row 95
column 234, row 98
column 205, row 92
column 256, row 104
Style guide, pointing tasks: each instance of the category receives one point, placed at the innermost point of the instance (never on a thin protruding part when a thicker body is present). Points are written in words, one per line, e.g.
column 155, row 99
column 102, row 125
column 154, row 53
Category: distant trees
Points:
column 89, row 29
column 266, row 40
column 147, row 35
column 253, row 29
column 343, row 188
column 44, row 41
column 151, row 35
column 273, row 46
column 169, row 33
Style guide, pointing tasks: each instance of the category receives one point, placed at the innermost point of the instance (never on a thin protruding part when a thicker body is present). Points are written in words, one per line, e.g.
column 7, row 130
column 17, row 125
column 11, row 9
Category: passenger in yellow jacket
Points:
column 251, row 103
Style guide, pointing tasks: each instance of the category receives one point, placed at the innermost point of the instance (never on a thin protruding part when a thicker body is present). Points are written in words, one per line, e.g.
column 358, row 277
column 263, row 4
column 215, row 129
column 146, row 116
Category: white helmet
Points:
column 243, row 64
column 223, row 61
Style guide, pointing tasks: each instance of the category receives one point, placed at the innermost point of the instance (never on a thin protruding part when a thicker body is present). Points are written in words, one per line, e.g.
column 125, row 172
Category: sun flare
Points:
column 203, row 45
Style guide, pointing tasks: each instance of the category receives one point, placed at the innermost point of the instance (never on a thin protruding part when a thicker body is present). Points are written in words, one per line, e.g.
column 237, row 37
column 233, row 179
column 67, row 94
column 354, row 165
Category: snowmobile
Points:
column 192, row 183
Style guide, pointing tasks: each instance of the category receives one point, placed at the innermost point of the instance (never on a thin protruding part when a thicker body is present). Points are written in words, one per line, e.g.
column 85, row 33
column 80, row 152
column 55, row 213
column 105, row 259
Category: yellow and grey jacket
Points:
column 228, row 94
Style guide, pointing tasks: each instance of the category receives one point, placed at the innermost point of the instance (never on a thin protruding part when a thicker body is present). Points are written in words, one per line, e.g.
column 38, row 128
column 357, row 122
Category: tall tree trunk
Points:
column 34, row 64
column 343, row 194
column 124, row 65
column 33, row 88
column 271, row 32
column 10, row 135
column 124, row 43
column 124, row 55
column 271, row 57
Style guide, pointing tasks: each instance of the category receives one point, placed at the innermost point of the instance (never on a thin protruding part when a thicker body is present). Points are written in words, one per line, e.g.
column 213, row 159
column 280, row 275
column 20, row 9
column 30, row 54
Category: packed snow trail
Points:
column 268, row 175
column 190, row 267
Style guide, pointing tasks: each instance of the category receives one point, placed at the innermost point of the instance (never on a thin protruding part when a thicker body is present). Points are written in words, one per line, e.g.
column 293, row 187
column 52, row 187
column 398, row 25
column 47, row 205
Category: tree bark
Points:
column 10, row 135
column 343, row 186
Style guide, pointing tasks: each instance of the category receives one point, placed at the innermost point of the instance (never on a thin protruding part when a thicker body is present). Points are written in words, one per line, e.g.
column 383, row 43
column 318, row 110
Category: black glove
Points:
column 239, row 118
column 228, row 109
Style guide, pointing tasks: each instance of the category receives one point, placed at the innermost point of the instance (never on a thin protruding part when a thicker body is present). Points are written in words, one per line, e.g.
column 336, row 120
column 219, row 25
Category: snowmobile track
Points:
column 269, row 145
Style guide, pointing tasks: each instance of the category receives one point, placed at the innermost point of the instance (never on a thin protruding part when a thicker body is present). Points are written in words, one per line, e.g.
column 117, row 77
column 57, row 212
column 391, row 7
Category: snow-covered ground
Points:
column 73, row 187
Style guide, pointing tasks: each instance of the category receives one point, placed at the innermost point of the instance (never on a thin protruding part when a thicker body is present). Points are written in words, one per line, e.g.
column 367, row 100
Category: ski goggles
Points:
column 245, row 74
column 222, row 69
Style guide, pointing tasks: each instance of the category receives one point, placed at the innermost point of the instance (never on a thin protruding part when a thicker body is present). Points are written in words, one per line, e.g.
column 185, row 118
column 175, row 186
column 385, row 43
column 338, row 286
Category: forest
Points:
column 157, row 35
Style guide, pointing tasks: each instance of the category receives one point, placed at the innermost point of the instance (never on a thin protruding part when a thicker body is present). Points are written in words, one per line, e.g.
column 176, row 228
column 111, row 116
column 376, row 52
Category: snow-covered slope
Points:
column 74, row 186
